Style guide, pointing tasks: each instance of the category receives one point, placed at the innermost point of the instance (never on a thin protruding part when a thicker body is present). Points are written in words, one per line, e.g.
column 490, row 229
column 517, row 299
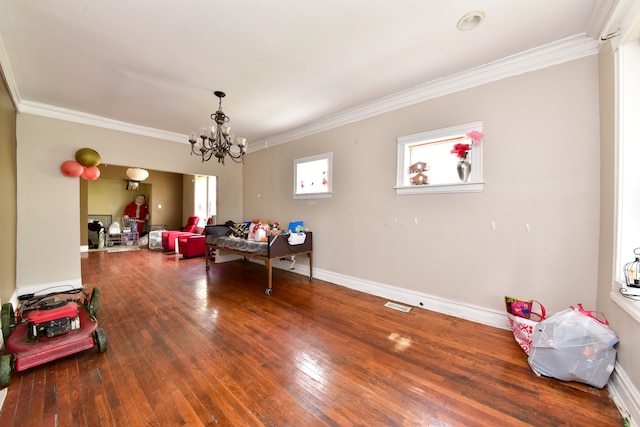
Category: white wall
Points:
column 48, row 231
column 541, row 166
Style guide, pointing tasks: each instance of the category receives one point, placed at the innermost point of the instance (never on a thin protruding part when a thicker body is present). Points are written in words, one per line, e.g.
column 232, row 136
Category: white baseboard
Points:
column 621, row 389
column 625, row 395
column 222, row 256
column 3, row 394
column 46, row 287
column 470, row 312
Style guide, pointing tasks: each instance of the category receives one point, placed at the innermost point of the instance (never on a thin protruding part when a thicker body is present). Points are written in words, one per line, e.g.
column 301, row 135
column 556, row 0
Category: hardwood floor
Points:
column 191, row 347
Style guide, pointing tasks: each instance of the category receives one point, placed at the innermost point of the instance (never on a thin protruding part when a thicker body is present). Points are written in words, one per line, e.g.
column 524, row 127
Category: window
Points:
column 312, row 177
column 205, row 198
column 425, row 163
column 628, row 86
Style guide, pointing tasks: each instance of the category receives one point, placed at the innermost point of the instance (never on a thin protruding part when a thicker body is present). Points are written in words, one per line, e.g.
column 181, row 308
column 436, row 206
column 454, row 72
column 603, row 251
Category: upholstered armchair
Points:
column 192, row 245
column 169, row 237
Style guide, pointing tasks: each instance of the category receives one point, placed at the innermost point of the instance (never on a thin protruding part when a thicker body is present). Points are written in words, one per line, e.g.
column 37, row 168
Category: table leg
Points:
column 270, row 275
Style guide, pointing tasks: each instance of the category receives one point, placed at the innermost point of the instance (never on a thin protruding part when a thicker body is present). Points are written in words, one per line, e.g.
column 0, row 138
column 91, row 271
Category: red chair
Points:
column 169, row 237
column 192, row 245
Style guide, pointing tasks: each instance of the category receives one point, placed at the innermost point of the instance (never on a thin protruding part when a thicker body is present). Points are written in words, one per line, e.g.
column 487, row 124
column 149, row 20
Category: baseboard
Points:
column 620, row 387
column 222, row 256
column 46, row 287
column 3, row 394
column 625, row 395
column 470, row 312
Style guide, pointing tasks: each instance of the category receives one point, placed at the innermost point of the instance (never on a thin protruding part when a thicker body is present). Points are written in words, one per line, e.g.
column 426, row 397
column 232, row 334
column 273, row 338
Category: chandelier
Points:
column 218, row 141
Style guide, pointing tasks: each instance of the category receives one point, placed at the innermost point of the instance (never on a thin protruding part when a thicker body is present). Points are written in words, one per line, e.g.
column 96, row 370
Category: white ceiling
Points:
column 283, row 63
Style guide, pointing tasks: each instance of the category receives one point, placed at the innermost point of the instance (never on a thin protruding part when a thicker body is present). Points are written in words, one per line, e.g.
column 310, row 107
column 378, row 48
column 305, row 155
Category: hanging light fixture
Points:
column 137, row 174
column 218, row 141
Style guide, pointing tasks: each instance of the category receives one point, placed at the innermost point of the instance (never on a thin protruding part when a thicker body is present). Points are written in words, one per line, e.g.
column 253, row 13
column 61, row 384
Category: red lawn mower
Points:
column 48, row 326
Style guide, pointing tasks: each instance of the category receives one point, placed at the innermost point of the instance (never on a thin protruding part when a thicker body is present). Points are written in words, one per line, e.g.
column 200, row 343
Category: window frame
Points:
column 205, row 192
column 404, row 144
column 329, row 175
column 627, row 63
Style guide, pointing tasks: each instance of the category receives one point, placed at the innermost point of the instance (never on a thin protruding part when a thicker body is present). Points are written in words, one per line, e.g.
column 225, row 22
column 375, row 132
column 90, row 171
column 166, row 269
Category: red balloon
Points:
column 72, row 168
column 91, row 173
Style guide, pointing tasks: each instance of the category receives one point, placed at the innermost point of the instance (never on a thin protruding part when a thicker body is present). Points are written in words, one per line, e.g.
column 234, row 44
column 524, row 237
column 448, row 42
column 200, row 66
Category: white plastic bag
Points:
column 574, row 345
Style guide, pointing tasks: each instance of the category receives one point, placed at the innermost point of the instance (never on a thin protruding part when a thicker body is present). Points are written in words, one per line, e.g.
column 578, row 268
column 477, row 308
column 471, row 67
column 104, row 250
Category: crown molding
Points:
column 53, row 112
column 7, row 72
column 554, row 53
column 98, row 121
column 558, row 52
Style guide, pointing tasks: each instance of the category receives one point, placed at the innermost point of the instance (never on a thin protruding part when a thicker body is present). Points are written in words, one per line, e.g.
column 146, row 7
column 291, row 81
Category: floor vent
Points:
column 398, row 307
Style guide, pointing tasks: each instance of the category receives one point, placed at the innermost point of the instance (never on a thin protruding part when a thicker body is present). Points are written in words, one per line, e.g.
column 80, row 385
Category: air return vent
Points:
column 398, row 307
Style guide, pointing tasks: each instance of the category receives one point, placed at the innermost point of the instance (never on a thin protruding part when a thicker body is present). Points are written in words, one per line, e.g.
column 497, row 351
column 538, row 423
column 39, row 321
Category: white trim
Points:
column 98, row 121
column 74, row 116
column 474, row 313
column 620, row 387
column 625, row 395
column 327, row 195
column 3, row 394
column 558, row 52
column 471, row 312
column 462, row 187
column 32, row 289
column 9, row 78
column 630, row 306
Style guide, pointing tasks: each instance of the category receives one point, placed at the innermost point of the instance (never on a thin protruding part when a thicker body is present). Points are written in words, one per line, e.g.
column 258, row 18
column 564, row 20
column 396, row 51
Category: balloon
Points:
column 88, row 157
column 72, row 168
column 91, row 173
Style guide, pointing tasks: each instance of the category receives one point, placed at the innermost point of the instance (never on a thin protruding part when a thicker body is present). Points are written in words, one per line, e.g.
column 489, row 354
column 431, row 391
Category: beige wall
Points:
column 45, row 196
column 161, row 188
column 111, row 197
column 541, row 163
column 7, row 193
column 188, row 186
column 549, row 162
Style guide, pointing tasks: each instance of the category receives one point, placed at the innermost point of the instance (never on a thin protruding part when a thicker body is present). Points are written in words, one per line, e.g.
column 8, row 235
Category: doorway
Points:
column 107, row 200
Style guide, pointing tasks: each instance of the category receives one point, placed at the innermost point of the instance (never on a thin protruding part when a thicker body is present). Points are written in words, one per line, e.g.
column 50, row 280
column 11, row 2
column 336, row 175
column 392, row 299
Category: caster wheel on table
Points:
column 208, row 267
column 268, row 291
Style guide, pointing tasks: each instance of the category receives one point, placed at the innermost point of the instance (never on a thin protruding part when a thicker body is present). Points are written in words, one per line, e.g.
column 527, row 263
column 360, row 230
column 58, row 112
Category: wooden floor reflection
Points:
column 194, row 347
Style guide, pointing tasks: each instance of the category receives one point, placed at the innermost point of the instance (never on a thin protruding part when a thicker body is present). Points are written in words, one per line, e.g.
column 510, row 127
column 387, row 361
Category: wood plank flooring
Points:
column 191, row 347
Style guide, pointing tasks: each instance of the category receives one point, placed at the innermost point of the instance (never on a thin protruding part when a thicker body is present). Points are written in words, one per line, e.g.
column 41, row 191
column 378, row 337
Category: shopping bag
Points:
column 523, row 317
column 525, row 308
column 574, row 345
